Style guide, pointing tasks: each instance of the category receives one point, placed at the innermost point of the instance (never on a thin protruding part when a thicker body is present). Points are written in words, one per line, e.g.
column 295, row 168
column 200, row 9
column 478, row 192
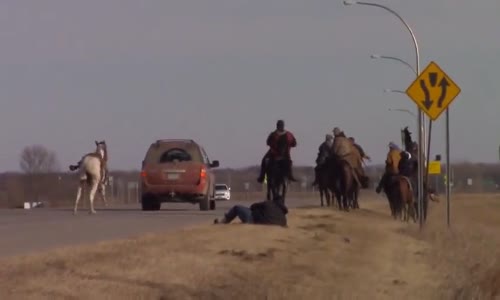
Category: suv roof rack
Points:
column 175, row 140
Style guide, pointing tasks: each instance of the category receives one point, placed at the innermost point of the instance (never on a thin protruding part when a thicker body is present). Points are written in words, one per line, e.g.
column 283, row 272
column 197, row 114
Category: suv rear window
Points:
column 168, row 152
column 175, row 154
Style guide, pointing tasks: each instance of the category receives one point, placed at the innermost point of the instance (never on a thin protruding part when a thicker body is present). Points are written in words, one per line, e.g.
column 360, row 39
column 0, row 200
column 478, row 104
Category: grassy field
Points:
column 324, row 254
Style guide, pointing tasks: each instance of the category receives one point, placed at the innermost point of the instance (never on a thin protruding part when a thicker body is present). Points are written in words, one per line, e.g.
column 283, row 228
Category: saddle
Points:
column 408, row 181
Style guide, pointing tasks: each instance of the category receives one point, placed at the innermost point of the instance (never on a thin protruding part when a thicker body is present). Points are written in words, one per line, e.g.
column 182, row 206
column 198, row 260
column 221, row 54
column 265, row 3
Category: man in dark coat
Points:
column 323, row 153
column 262, row 213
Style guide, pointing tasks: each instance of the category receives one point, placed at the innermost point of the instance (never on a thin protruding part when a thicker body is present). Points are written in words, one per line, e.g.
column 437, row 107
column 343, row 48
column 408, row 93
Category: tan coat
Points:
column 392, row 161
column 342, row 147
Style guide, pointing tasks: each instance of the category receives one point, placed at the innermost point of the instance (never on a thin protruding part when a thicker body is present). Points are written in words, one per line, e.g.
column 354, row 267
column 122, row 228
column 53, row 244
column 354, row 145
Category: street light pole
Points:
column 394, row 91
column 406, row 111
column 403, row 110
column 376, row 56
column 421, row 131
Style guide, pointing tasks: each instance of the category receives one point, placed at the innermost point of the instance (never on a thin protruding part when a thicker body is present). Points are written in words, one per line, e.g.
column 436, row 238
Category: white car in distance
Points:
column 222, row 192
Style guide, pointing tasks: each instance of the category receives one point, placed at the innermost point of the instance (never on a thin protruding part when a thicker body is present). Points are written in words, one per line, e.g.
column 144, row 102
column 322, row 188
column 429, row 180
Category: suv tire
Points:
column 146, row 203
column 205, row 202
column 149, row 203
column 156, row 205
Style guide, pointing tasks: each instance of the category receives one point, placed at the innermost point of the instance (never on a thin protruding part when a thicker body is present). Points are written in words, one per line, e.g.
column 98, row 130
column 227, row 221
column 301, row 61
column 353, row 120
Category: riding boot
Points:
column 290, row 173
column 316, row 171
column 381, row 183
column 262, row 173
column 363, row 179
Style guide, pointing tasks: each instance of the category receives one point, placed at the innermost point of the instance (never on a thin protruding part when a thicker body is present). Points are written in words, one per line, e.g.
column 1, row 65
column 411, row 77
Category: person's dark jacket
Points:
column 323, row 152
column 407, row 167
column 269, row 213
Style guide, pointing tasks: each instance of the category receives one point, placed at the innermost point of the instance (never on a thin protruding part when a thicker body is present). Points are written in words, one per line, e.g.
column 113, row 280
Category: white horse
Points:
column 93, row 172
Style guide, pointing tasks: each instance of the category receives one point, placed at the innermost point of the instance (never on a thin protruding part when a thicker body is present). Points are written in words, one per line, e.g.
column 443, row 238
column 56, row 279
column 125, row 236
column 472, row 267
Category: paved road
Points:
column 29, row 231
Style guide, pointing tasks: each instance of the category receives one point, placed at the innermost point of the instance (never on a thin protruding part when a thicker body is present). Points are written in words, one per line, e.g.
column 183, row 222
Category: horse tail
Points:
column 77, row 166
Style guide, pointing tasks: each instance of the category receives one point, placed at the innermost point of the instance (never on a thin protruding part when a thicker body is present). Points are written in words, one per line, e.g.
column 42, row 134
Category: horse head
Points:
column 102, row 149
column 408, row 141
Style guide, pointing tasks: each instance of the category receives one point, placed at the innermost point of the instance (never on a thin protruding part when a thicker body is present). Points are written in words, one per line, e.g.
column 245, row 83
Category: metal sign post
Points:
column 433, row 91
column 448, row 168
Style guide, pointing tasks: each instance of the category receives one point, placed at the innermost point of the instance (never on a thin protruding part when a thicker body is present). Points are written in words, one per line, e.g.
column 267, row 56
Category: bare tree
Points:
column 37, row 159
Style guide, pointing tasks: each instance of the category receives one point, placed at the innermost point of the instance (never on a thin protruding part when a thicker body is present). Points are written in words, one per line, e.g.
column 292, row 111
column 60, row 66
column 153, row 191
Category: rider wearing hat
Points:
column 323, row 152
column 344, row 149
column 391, row 165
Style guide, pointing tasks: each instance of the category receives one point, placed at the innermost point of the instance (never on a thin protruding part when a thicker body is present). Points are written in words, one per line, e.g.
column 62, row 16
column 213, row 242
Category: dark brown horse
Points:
column 345, row 178
column 324, row 185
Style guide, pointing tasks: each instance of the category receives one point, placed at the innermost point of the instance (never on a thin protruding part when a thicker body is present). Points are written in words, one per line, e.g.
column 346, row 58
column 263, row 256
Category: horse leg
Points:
column 78, row 196
column 102, row 192
column 93, row 191
column 413, row 213
column 268, row 191
column 285, row 189
column 321, row 192
column 346, row 201
column 407, row 208
column 356, row 195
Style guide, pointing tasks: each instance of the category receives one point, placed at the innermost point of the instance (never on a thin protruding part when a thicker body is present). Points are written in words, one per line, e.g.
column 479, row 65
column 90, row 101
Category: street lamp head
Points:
column 349, row 2
column 375, row 56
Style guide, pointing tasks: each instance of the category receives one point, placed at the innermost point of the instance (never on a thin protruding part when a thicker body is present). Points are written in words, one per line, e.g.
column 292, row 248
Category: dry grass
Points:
column 468, row 254
column 324, row 254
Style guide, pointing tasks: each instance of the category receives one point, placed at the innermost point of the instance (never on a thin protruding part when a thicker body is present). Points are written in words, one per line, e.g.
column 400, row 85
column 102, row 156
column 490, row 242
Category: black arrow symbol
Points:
column 433, row 78
column 444, row 84
column 427, row 102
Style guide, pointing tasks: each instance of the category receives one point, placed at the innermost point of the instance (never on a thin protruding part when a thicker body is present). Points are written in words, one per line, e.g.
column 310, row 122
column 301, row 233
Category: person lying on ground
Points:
column 263, row 213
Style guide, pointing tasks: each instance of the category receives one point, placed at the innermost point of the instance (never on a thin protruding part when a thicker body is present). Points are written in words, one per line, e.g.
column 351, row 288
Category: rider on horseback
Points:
column 323, row 152
column 362, row 152
column 391, row 165
column 344, row 150
column 273, row 141
column 405, row 166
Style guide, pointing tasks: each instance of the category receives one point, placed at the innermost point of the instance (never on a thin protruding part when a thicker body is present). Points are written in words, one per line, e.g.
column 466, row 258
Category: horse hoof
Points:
column 92, row 212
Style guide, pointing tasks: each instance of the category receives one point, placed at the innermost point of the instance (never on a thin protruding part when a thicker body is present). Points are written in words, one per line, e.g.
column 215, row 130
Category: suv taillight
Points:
column 143, row 174
column 203, row 173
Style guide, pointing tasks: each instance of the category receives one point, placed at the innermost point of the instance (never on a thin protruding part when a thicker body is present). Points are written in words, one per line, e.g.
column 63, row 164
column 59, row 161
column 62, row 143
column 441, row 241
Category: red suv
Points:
column 177, row 171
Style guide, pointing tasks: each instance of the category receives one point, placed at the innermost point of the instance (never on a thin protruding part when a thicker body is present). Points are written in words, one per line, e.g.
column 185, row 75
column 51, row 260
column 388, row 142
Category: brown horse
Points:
column 405, row 207
column 345, row 178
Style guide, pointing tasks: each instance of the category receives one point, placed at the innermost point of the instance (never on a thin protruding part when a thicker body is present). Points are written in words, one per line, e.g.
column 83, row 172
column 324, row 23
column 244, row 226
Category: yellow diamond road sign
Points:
column 433, row 91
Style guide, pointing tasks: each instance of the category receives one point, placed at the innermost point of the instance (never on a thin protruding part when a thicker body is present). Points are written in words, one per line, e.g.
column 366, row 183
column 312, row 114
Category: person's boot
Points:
column 261, row 177
column 315, row 182
column 262, row 173
column 363, row 180
column 290, row 173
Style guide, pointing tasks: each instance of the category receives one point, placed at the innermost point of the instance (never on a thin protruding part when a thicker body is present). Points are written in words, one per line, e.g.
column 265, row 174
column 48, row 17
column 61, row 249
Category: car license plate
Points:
column 172, row 176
